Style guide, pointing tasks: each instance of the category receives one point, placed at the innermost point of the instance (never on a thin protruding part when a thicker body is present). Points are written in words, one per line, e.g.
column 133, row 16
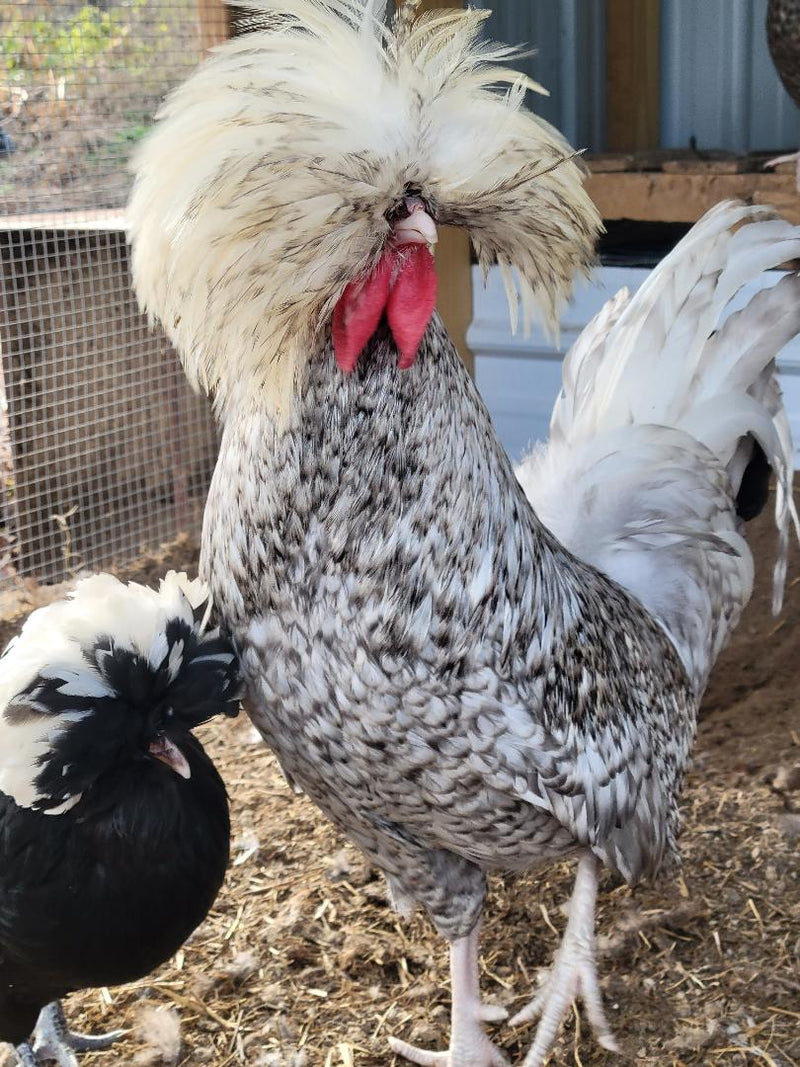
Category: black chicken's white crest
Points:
column 88, row 677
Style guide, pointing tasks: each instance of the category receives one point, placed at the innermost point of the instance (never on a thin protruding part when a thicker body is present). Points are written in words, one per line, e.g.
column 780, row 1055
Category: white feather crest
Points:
column 652, row 429
column 264, row 187
column 52, row 643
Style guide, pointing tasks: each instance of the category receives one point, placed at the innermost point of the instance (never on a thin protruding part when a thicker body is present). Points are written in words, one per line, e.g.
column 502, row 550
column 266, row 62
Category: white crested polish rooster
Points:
column 114, row 826
column 466, row 670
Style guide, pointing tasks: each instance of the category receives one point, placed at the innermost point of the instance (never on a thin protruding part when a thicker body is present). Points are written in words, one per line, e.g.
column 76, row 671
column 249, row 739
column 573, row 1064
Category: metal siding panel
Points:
column 718, row 83
column 569, row 39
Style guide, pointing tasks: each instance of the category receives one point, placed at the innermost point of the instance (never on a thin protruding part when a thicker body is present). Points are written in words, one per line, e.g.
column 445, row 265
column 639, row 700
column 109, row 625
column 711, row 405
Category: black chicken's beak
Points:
column 168, row 752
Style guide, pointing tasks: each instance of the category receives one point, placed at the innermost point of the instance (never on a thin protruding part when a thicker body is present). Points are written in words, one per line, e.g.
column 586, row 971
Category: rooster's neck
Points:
column 393, row 479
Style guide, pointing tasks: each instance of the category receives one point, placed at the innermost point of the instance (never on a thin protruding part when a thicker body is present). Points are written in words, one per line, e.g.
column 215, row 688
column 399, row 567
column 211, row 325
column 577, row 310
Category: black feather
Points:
column 754, row 491
column 104, row 892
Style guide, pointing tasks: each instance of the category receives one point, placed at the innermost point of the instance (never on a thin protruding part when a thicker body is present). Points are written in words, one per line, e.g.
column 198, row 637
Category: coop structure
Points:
column 104, row 450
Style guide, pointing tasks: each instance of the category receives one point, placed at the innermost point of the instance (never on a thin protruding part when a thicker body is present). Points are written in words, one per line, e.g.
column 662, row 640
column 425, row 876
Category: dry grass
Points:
column 302, row 964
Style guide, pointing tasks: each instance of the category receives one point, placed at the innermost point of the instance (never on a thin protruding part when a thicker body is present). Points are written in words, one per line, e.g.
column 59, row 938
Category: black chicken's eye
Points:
column 168, row 713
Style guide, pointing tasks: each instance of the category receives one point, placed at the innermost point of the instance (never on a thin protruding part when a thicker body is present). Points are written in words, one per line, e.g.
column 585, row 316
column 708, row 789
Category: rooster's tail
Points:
column 665, row 426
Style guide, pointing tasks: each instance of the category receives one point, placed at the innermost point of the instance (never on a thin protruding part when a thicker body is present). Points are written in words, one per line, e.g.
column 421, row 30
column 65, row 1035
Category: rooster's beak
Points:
column 168, row 753
column 417, row 229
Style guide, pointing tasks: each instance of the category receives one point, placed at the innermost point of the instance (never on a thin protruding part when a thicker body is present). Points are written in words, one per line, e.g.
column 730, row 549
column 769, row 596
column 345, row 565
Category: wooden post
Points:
column 632, row 78
column 215, row 23
column 454, row 265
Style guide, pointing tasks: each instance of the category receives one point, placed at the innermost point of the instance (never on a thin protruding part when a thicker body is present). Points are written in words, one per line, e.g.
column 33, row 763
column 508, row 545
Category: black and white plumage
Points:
column 461, row 682
column 114, row 825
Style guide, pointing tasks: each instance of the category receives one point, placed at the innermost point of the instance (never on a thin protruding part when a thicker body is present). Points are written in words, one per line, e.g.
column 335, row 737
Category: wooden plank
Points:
column 632, row 78
column 214, row 17
column 66, row 221
column 659, row 197
column 733, row 165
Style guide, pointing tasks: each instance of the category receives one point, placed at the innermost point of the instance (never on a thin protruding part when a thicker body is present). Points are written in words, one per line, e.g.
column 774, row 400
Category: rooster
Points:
column 114, row 827
column 463, row 677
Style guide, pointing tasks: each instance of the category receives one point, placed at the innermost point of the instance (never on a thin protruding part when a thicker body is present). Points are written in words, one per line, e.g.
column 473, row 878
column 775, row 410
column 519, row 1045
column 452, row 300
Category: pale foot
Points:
column 573, row 975
column 475, row 1050
column 469, row 1044
column 54, row 1041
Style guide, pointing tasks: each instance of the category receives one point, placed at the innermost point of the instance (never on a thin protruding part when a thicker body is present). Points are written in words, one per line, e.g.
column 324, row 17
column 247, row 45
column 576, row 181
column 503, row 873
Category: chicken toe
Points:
column 53, row 1040
column 473, row 1051
column 573, row 976
column 469, row 1044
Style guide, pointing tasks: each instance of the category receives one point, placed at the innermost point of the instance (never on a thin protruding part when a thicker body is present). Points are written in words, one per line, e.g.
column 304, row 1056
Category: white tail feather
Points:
column 655, row 425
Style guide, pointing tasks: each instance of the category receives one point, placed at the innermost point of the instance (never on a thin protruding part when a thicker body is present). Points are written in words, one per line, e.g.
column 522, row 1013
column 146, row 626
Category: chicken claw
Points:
column 477, row 1051
column 53, row 1040
column 573, row 975
column 469, row 1045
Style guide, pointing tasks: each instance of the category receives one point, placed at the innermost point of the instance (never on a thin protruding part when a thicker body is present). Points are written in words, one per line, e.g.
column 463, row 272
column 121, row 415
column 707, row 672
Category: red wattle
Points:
column 358, row 313
column 404, row 285
column 412, row 301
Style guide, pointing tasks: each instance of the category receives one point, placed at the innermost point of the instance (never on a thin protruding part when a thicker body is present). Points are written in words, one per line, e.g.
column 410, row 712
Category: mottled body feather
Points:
column 446, row 681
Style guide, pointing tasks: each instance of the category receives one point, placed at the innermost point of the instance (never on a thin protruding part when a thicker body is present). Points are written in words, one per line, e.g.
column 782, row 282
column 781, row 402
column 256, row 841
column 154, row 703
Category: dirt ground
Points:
column 302, row 963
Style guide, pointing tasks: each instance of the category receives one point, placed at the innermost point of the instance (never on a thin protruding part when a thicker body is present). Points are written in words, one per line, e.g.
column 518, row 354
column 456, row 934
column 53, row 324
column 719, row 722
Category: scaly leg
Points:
column 792, row 157
column 574, row 973
column 469, row 1045
column 25, row 1056
column 53, row 1039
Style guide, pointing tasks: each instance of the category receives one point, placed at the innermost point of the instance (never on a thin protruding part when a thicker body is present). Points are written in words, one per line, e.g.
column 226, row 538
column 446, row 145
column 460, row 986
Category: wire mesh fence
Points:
column 104, row 451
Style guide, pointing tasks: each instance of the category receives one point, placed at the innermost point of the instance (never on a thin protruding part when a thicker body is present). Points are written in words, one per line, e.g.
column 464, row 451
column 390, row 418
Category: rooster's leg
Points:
column 792, row 157
column 469, row 1045
column 53, row 1039
column 574, row 973
column 26, row 1056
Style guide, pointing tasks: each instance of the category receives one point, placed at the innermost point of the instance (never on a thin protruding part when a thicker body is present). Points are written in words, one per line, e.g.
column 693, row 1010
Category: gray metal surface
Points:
column 569, row 38
column 718, row 82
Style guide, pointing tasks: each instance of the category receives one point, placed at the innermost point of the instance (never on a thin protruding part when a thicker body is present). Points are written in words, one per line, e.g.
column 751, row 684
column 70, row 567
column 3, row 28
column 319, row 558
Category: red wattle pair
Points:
column 404, row 287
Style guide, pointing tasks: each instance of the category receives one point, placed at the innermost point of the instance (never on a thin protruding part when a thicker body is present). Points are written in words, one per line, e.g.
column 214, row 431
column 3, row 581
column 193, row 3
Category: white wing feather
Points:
column 654, row 426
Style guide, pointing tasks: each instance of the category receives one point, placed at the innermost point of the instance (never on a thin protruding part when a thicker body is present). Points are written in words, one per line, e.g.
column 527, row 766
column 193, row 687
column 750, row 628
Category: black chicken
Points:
column 114, row 825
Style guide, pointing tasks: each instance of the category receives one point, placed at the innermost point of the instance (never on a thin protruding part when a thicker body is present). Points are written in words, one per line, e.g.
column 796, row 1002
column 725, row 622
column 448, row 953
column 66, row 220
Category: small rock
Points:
column 790, row 824
column 694, row 1038
column 281, row 1059
column 787, row 779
